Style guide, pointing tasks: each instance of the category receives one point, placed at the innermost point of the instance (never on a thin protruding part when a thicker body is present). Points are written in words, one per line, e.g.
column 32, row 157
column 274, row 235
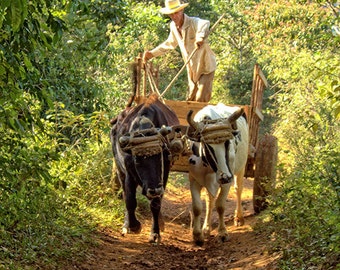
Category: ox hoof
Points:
column 223, row 238
column 124, row 231
column 199, row 240
column 239, row 221
column 206, row 233
column 137, row 229
column 199, row 243
column 225, row 181
column 154, row 238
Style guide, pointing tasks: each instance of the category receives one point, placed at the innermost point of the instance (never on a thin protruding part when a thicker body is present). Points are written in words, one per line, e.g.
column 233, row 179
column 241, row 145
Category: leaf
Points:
column 27, row 62
column 16, row 14
column 5, row 4
column 337, row 111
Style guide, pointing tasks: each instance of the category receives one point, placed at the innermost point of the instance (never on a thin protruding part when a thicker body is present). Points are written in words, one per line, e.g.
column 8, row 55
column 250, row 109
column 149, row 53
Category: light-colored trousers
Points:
column 201, row 90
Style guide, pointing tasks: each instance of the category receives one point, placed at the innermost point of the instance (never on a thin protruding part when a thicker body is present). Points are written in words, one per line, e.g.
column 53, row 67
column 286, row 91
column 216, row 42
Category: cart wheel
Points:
column 265, row 171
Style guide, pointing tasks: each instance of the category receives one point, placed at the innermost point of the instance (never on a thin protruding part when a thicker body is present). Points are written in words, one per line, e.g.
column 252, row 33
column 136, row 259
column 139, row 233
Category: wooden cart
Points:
column 262, row 154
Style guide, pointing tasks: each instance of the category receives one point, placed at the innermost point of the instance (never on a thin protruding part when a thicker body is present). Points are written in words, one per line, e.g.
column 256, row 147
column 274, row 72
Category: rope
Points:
column 152, row 81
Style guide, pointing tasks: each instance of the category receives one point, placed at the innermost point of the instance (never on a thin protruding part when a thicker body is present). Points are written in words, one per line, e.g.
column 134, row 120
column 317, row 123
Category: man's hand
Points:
column 147, row 56
column 199, row 43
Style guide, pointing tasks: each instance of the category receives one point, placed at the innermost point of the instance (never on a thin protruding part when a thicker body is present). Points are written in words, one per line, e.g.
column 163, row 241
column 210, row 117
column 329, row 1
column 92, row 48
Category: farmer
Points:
column 189, row 33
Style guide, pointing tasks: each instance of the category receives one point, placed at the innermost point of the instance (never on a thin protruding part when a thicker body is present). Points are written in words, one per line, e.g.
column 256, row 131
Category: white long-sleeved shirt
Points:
column 193, row 29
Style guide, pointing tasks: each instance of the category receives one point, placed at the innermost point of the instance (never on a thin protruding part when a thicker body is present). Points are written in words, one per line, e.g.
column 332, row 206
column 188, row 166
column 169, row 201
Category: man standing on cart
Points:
column 190, row 34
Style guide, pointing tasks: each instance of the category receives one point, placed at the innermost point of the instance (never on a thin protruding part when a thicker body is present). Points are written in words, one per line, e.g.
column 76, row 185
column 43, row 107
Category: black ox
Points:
column 144, row 145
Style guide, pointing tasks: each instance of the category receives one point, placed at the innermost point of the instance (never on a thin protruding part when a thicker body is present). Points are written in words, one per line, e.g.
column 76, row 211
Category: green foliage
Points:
column 305, row 211
column 44, row 219
column 232, row 43
column 298, row 50
column 64, row 71
column 144, row 29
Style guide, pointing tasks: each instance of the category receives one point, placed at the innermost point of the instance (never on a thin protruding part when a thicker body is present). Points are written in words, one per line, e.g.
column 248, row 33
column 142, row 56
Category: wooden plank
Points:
column 255, row 116
column 259, row 114
column 263, row 78
column 181, row 108
column 181, row 165
column 259, row 84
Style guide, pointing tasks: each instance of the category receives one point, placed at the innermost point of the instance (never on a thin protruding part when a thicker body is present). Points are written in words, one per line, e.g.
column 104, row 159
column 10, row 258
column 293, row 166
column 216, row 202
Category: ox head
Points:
column 145, row 145
column 216, row 147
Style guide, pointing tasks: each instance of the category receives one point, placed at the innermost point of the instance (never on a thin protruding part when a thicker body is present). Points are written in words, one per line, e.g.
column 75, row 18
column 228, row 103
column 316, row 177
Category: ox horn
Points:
column 191, row 122
column 232, row 118
column 194, row 130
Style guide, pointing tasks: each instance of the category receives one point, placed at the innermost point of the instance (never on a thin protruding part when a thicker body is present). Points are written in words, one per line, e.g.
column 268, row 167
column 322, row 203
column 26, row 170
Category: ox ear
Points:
column 232, row 118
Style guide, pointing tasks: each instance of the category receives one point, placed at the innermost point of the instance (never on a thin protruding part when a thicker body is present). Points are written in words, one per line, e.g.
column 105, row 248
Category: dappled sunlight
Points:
column 106, row 217
column 245, row 248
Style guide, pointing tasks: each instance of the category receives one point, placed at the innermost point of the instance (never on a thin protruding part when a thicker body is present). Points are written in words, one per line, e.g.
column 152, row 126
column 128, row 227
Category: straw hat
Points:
column 172, row 6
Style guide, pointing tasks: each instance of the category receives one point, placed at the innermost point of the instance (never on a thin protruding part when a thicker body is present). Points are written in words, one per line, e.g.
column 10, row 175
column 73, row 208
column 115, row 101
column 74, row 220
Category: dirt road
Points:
column 245, row 249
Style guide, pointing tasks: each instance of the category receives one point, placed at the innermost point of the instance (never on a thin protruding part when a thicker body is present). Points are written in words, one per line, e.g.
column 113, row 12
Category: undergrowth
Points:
column 48, row 222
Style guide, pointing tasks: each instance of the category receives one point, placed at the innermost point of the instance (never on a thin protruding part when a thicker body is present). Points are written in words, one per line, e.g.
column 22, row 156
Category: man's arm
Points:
column 170, row 44
column 202, row 31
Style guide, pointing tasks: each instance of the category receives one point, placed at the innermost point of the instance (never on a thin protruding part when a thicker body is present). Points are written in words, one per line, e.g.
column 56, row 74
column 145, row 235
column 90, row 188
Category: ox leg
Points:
column 238, row 218
column 155, row 206
column 161, row 222
column 131, row 224
column 221, row 204
column 210, row 200
column 197, row 207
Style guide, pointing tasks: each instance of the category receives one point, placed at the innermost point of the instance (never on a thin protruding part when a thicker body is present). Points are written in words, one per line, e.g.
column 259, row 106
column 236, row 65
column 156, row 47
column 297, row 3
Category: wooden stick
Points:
column 180, row 71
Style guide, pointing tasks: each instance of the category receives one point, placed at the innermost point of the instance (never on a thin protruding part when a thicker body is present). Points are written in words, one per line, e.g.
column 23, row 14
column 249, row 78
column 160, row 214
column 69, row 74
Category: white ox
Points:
column 220, row 152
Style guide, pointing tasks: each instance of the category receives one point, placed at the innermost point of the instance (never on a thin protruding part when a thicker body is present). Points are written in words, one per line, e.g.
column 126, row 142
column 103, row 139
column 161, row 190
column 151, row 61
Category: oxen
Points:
column 142, row 146
column 220, row 151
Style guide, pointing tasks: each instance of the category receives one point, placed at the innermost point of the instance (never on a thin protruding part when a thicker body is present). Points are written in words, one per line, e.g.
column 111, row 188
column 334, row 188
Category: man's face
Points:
column 177, row 17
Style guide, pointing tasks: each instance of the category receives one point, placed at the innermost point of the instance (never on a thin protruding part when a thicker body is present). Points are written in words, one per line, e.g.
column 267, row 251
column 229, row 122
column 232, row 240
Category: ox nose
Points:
column 154, row 192
column 225, row 179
